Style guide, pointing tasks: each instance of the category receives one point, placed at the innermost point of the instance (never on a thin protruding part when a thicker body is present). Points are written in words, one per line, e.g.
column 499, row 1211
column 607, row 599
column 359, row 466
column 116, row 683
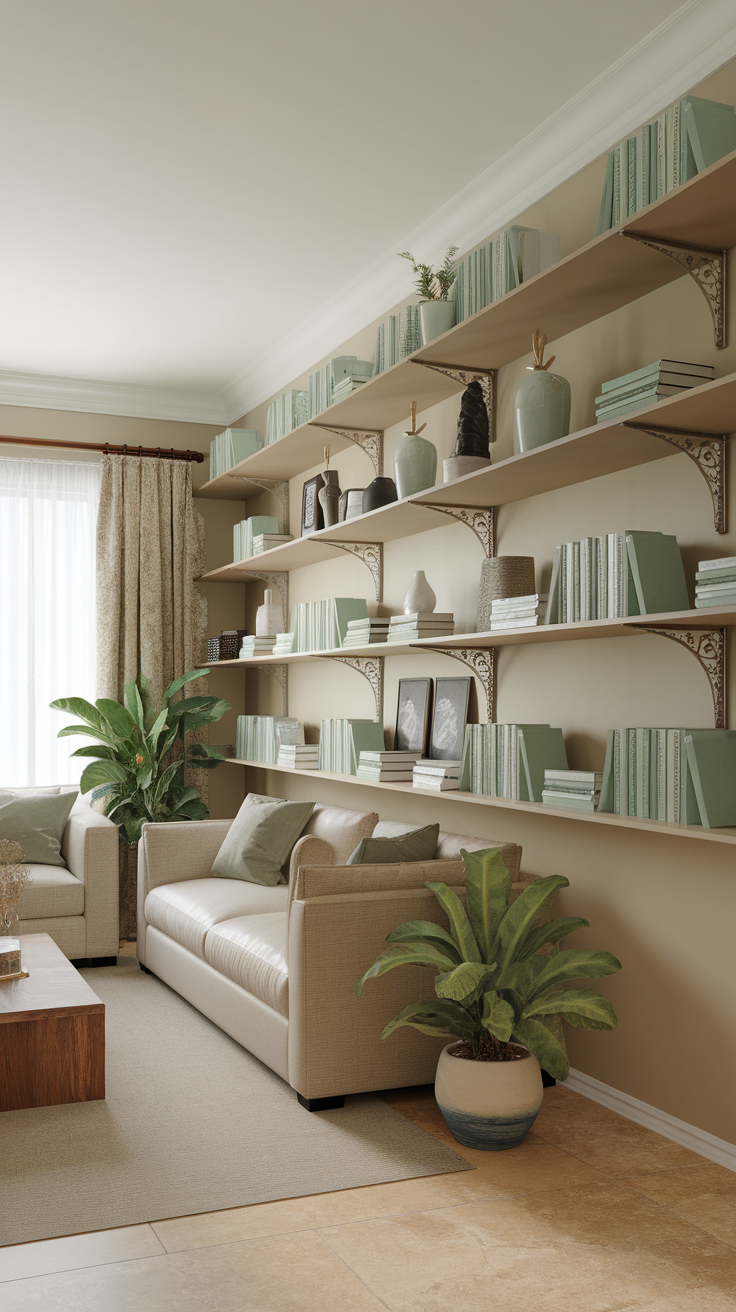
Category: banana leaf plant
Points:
column 493, row 985
column 142, row 754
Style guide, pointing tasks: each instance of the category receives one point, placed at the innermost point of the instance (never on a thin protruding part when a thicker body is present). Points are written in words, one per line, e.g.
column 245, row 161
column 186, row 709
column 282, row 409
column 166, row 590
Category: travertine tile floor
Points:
column 591, row 1214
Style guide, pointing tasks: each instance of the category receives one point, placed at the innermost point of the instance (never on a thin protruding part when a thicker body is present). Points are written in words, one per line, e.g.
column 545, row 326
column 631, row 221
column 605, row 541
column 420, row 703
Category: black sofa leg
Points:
column 320, row 1104
column 85, row 963
column 548, row 1082
column 145, row 969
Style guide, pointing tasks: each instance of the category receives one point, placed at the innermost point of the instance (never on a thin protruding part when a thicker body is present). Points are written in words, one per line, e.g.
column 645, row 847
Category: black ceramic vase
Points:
column 379, row 493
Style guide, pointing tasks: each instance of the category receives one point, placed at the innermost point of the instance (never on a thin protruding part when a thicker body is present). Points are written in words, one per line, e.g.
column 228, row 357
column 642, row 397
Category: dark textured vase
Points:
column 381, row 492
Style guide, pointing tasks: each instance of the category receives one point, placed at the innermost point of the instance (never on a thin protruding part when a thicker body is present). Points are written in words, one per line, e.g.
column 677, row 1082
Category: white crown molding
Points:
column 696, row 40
column 688, row 1136
column 135, row 401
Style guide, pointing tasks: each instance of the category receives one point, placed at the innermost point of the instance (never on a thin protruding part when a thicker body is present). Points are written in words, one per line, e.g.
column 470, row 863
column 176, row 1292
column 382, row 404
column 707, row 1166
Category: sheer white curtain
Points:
column 48, row 522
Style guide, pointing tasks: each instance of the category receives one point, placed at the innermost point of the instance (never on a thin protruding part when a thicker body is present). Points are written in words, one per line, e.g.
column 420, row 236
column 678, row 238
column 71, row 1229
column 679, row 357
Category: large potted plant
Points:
column 436, row 310
column 500, row 994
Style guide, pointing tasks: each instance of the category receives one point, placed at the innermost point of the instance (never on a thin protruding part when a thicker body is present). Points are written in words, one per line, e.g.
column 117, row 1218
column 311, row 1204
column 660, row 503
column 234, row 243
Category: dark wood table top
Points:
column 53, row 987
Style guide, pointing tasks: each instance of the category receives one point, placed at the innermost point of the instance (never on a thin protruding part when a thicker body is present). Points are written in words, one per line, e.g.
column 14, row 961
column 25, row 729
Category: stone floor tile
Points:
column 20, row 1261
column 604, row 1139
column 704, row 1195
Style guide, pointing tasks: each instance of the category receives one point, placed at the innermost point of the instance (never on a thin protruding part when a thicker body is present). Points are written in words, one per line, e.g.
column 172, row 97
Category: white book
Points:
column 726, row 562
column 523, row 622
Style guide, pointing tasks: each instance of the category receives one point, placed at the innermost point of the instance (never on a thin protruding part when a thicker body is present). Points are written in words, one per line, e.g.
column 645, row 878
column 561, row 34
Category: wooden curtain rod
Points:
column 108, row 448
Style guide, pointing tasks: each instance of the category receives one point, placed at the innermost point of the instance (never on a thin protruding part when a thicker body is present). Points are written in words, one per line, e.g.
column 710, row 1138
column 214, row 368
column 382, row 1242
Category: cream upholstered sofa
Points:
column 77, row 906
column 276, row 968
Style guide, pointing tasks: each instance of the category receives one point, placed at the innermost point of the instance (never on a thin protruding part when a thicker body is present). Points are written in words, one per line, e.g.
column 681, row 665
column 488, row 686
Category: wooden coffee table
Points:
column 52, row 1032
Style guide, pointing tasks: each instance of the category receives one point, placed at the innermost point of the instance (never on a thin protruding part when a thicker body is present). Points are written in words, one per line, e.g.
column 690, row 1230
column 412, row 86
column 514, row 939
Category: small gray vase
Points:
column 329, row 497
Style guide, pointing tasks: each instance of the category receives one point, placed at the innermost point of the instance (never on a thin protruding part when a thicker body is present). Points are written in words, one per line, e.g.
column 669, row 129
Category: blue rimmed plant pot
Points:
column 489, row 1105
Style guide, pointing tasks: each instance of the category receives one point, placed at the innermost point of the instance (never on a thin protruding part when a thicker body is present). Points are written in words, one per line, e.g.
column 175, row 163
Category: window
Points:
column 48, row 522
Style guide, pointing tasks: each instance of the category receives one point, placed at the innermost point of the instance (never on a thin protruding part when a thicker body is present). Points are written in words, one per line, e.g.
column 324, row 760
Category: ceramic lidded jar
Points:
column 489, row 1105
column 542, row 403
column 415, row 461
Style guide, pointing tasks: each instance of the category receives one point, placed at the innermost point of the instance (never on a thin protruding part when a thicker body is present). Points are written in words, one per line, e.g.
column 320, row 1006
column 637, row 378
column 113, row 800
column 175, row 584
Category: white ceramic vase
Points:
column 420, row 596
column 488, row 1104
column 269, row 618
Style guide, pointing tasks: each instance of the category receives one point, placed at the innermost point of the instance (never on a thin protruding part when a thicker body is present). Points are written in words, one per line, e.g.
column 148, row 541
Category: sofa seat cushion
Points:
column 251, row 951
column 188, row 910
column 53, row 891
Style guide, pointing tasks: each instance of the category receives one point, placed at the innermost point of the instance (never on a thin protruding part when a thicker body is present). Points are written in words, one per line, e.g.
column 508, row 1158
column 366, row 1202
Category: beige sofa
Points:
column 276, row 968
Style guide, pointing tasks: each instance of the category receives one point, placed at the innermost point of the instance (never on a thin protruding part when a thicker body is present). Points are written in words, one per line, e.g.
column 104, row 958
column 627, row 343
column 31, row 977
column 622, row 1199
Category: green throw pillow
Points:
column 37, row 822
column 260, row 840
column 417, row 845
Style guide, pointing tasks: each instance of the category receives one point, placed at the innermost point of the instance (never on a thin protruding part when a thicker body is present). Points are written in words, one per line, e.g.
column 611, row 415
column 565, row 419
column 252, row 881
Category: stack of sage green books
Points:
column 572, row 790
column 259, row 737
column 715, row 582
column 635, row 572
column 509, row 760
column 342, row 741
column 681, row 776
column 229, row 448
column 323, row 625
column 505, row 262
column 648, row 385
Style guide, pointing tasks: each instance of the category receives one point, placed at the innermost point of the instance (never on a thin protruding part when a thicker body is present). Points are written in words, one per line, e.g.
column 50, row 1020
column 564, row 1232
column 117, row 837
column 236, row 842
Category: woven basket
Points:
column 503, row 576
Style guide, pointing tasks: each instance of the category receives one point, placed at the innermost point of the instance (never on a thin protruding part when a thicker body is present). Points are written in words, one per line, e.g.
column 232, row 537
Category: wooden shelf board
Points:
column 507, row 804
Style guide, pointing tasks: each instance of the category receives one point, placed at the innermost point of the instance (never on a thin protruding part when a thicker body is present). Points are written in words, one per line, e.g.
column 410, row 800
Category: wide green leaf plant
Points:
column 494, row 986
column 142, row 754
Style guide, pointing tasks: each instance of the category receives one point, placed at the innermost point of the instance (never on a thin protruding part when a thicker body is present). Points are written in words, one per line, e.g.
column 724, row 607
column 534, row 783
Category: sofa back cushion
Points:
column 37, row 821
column 341, row 828
column 259, row 841
column 416, row 845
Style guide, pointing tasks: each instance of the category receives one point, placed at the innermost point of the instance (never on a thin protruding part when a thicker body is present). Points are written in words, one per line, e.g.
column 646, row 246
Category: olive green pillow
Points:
column 36, row 821
column 260, row 840
column 417, row 845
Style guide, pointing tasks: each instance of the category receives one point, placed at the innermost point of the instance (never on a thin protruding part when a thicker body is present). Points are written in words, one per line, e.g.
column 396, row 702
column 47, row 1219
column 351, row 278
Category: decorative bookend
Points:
column 542, row 404
column 472, row 449
column 503, row 576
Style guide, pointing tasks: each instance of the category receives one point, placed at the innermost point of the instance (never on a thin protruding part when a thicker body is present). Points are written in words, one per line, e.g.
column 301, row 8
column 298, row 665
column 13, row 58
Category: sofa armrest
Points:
column 90, row 850
column 172, row 854
column 309, row 850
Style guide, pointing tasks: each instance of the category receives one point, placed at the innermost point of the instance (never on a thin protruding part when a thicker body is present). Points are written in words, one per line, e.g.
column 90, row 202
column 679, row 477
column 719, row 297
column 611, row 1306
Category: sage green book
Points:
column 657, row 572
column 367, row 736
column 712, row 766
column 540, row 748
column 346, row 609
column 606, row 210
column 711, row 132
column 606, row 799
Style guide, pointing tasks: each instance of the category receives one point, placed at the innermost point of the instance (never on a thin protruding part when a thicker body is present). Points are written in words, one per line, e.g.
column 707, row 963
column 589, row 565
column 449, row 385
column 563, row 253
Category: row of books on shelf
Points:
column 409, row 767
column 683, row 776
column 261, row 737
column 398, row 336
column 686, row 138
column 488, row 273
column 509, row 760
column 287, row 412
column 324, row 625
column 227, row 449
column 648, row 385
column 256, row 534
column 610, row 577
column 336, row 379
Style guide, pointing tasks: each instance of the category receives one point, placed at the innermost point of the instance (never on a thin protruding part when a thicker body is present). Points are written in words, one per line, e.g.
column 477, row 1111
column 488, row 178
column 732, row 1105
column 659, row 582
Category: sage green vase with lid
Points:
column 542, row 403
column 415, row 461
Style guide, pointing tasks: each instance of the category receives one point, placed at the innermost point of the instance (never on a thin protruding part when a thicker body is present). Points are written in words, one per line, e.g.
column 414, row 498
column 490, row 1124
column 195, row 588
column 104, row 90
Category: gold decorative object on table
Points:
column 13, row 879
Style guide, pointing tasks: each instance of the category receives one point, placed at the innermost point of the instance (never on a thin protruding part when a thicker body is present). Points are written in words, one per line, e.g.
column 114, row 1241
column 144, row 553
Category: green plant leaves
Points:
column 132, row 699
column 520, row 917
column 432, row 1017
column 487, row 885
column 551, row 932
column 572, row 963
column 102, row 772
column 545, row 1047
column 465, row 983
column 414, row 931
column 119, row 719
column 174, row 687
column 583, row 1008
column 79, row 706
column 498, row 1016
column 460, row 927
column 405, row 954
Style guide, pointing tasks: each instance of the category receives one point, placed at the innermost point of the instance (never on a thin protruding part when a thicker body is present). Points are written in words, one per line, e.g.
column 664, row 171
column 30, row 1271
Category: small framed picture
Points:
column 312, row 518
column 412, row 715
column 449, row 718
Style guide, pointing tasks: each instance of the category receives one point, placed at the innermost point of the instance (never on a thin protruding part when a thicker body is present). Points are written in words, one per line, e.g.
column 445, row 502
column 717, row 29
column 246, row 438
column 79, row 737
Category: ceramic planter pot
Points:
column 541, row 410
column 435, row 317
column 488, row 1104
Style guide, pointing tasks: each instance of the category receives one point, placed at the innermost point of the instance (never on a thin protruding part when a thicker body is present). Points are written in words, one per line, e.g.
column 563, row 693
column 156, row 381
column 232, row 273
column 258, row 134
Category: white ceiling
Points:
column 184, row 183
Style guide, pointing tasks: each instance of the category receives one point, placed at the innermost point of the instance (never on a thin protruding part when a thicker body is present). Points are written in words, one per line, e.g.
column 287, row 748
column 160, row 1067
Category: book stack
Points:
column 517, row 612
column 646, row 773
column 323, row 625
column 286, row 413
column 252, row 646
column 247, row 530
column 284, row 644
column 439, row 776
column 498, row 266
column 342, row 741
column 420, row 624
column 265, row 541
column 295, row 756
column 334, row 375
column 630, row 573
column 387, row 767
column 361, row 633
column 646, row 386
column 573, row 790
column 398, row 336
column 715, row 582
column 230, row 447
column 686, row 138
column 509, row 760
column 259, row 737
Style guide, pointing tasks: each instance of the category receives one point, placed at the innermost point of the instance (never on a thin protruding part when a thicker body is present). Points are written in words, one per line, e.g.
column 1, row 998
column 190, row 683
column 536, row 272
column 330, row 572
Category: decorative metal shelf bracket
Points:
column 705, row 265
column 481, row 522
column 371, row 554
column 281, row 674
column 370, row 439
column 482, row 661
column 280, row 489
column 708, row 646
column 486, row 378
column 708, row 453
column 280, row 582
column 371, row 667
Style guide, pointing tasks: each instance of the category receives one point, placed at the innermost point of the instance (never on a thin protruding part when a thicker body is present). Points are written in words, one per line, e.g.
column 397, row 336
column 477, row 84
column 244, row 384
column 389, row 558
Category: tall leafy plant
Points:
column 493, row 985
column 142, row 754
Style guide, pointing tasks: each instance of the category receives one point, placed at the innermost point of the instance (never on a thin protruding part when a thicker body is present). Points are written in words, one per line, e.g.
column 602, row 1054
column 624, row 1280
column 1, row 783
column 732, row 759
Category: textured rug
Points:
column 191, row 1123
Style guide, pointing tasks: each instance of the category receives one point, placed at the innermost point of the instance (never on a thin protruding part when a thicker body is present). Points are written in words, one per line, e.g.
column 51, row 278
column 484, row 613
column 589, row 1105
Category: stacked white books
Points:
column 260, row 737
column 265, row 541
column 387, row 767
column 252, row 646
column 284, row 644
column 517, row 612
column 349, row 385
column 295, row 756
column 715, row 582
column 362, row 632
column 421, row 624
column 440, row 776
column 573, row 790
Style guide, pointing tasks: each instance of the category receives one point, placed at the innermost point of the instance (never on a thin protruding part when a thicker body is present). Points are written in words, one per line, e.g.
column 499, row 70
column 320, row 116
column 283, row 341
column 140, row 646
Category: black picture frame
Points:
column 412, row 728
column 449, row 718
column 312, row 517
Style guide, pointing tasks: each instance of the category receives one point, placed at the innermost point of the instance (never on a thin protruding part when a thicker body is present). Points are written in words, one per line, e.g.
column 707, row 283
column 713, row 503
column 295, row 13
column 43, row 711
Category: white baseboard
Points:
column 688, row 1136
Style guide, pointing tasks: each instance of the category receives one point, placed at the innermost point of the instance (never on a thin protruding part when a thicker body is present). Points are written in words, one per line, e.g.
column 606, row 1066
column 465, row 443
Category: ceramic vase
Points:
column 381, row 492
column 415, row 464
column 489, row 1105
column 329, row 498
column 420, row 597
column 541, row 410
column 435, row 317
column 269, row 618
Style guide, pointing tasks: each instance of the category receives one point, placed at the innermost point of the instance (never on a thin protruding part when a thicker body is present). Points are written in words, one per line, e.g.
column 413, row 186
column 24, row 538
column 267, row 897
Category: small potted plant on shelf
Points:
column 436, row 311
column 500, row 992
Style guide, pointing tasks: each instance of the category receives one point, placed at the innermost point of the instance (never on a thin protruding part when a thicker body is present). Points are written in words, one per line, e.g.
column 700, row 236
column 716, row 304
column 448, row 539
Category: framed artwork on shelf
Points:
column 449, row 718
column 312, row 518
column 412, row 715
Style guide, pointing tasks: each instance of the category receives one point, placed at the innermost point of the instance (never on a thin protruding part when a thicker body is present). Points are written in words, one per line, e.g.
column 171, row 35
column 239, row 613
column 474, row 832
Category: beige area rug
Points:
column 191, row 1123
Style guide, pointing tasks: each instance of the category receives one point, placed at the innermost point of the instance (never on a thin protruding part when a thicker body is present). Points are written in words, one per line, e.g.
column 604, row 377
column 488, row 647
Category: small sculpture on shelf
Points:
column 329, row 493
column 542, row 404
column 415, row 461
column 472, row 444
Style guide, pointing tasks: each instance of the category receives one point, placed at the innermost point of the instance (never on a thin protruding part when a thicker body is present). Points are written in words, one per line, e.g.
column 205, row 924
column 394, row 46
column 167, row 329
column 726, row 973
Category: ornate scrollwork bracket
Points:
column 708, row 453
column 280, row 582
column 371, row 667
column 280, row 489
column 370, row 439
column 371, row 554
column 481, row 522
column 281, row 675
column 708, row 646
column 482, row 661
column 486, row 378
column 705, row 265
